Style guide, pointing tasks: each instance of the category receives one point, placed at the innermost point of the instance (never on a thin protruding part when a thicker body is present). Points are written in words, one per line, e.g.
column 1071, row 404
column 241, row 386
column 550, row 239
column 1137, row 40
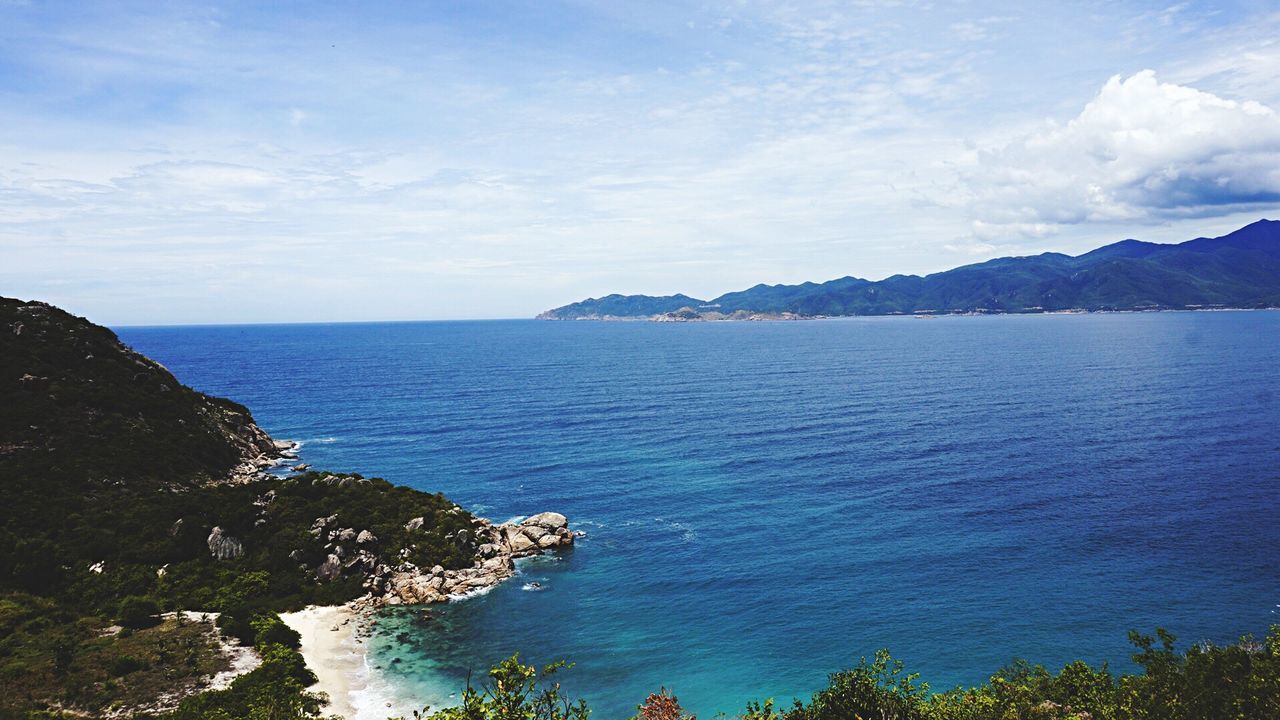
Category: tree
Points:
column 513, row 693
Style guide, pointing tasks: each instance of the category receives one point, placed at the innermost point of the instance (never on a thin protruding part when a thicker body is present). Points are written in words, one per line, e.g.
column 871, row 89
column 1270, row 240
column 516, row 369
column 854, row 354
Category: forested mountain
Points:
column 1241, row 269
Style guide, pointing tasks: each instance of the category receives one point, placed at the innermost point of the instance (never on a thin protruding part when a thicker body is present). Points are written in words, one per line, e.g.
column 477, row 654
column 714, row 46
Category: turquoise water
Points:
column 766, row 502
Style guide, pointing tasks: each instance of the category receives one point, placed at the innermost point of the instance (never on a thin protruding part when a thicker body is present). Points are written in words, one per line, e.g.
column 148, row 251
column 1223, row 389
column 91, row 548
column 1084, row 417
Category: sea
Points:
column 767, row 502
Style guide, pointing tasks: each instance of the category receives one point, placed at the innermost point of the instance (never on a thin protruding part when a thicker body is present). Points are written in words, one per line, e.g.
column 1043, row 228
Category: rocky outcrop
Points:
column 223, row 546
column 496, row 548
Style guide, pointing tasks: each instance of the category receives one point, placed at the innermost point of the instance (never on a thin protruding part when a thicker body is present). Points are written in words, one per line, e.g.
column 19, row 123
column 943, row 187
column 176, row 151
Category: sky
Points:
column 172, row 162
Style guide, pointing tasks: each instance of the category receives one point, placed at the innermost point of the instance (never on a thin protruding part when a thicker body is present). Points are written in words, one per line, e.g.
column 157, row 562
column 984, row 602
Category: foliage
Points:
column 79, row 405
column 138, row 612
column 111, row 472
column 1235, row 682
column 513, row 693
column 661, row 705
column 51, row 655
column 276, row 690
column 878, row 688
column 270, row 629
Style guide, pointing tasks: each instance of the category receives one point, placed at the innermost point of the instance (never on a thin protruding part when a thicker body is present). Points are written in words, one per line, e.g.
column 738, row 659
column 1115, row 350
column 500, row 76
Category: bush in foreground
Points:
column 1207, row 682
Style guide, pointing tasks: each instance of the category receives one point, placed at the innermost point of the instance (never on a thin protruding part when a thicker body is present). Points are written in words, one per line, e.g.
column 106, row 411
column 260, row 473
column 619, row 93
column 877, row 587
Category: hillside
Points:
column 80, row 404
column 127, row 493
column 1239, row 270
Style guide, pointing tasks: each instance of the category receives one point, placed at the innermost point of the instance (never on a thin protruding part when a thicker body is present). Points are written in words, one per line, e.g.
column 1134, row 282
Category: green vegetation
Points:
column 139, row 612
column 114, row 476
column 276, row 690
column 513, row 692
column 1241, row 269
column 1236, row 682
column 52, row 655
column 82, row 411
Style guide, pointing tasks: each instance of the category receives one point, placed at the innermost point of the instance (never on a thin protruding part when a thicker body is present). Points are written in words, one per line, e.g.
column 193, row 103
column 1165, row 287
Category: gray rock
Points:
column 223, row 546
column 366, row 537
column 548, row 520
column 522, row 544
column 414, row 524
column 496, row 564
column 330, row 569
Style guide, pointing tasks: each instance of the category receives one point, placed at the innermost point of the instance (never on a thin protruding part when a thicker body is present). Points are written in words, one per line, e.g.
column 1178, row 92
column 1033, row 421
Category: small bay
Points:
column 766, row 502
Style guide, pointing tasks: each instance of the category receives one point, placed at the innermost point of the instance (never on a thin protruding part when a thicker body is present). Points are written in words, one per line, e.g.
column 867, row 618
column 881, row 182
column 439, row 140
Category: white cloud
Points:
column 436, row 164
column 1141, row 151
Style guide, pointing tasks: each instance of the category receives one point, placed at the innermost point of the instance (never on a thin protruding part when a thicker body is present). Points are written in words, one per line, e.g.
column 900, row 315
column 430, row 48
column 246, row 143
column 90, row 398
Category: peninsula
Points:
column 138, row 513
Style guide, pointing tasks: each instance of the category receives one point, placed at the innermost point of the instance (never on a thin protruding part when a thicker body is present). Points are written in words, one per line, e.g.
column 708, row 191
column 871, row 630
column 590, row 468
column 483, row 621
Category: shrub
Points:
column 270, row 629
column 513, row 693
column 138, row 612
column 125, row 664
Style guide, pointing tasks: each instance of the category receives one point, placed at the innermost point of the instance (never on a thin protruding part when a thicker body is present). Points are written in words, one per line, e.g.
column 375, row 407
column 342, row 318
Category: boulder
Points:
column 521, row 544
column 223, row 546
column 496, row 564
column 548, row 520
column 366, row 537
column 347, row 535
column 330, row 569
column 414, row 524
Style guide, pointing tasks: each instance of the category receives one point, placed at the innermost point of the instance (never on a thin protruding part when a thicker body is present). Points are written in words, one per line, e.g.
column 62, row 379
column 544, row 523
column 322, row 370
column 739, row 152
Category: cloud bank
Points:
column 1141, row 151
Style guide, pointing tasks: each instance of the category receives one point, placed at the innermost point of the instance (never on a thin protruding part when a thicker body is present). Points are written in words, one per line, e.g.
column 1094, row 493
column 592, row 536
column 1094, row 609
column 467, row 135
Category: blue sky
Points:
column 176, row 162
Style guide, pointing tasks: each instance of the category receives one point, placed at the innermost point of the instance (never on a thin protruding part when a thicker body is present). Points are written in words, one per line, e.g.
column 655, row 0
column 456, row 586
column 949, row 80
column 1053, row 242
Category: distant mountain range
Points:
column 1239, row 270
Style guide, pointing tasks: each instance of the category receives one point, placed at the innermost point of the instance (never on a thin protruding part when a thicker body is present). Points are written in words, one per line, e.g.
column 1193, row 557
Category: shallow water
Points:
column 766, row 502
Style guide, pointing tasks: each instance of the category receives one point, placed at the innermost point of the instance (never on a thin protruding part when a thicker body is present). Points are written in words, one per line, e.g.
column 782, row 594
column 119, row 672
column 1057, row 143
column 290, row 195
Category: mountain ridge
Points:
column 1239, row 270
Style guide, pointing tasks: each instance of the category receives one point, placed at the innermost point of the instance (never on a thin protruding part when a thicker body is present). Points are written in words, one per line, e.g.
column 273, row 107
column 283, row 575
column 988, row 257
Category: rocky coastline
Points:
column 495, row 548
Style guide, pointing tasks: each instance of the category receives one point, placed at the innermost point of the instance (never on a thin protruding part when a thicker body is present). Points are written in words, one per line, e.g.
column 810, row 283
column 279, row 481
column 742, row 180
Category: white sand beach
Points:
column 330, row 649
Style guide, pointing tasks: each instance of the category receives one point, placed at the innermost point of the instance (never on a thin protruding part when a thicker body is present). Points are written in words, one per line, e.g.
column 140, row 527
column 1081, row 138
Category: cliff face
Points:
column 80, row 405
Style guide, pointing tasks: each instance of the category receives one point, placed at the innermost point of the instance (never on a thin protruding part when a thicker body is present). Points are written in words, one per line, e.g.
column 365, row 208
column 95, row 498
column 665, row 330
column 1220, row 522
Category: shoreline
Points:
column 332, row 651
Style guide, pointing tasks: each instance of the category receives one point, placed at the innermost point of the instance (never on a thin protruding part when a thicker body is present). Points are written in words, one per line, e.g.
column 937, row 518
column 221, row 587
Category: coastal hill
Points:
column 82, row 405
column 1238, row 270
column 126, row 493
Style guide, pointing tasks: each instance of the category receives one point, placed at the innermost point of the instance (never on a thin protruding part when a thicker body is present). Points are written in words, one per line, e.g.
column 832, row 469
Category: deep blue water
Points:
column 766, row 502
